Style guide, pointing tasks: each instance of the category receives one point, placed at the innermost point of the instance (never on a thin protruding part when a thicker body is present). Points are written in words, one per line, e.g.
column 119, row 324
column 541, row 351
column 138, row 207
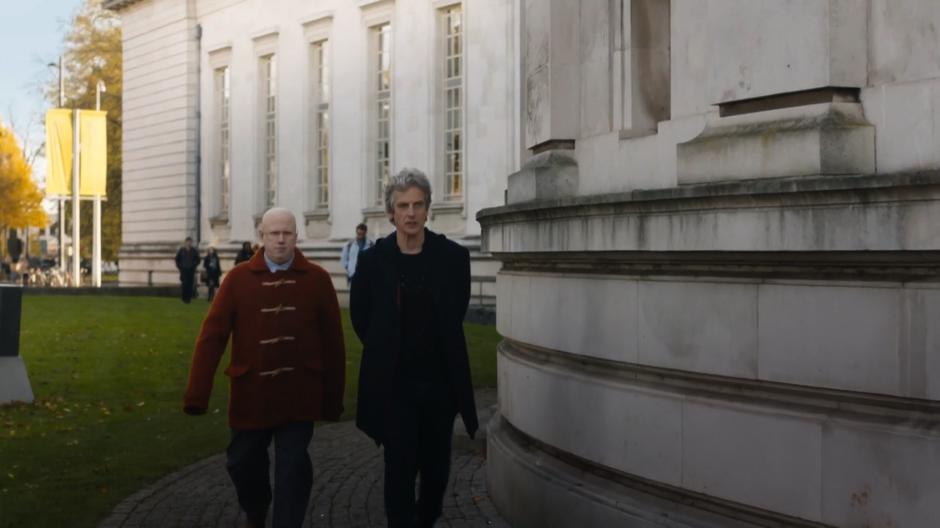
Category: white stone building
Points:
column 719, row 238
column 720, row 284
column 231, row 106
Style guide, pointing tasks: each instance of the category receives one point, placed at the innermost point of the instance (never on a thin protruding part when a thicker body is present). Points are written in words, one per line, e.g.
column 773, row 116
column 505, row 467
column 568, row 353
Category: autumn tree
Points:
column 20, row 199
column 92, row 53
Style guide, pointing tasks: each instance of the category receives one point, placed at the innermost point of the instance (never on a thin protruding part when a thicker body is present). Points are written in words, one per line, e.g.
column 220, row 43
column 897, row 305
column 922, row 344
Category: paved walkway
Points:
column 347, row 487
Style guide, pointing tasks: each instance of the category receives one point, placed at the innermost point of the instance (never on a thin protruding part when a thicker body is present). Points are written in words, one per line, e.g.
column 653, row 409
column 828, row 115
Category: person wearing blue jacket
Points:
column 352, row 249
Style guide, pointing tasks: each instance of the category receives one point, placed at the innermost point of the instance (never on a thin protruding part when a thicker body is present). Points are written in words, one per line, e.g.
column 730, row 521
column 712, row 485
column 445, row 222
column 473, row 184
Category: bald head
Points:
column 277, row 213
column 278, row 234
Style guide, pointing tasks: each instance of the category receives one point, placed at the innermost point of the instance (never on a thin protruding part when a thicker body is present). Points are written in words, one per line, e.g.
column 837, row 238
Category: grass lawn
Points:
column 108, row 374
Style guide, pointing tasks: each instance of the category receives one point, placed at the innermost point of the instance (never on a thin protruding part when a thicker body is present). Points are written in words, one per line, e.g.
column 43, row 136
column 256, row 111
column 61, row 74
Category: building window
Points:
column 269, row 127
column 453, row 102
column 382, row 101
column 320, row 164
column 223, row 99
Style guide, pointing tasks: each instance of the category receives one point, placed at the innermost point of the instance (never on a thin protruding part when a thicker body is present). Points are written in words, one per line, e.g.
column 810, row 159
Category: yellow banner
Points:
column 94, row 153
column 59, row 152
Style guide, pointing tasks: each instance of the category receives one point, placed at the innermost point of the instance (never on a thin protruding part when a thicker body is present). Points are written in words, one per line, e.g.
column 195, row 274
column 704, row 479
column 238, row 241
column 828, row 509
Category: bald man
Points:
column 286, row 370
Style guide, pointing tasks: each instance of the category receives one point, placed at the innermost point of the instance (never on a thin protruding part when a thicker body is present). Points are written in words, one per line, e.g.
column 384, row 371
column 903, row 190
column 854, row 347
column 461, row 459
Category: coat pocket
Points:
column 236, row 371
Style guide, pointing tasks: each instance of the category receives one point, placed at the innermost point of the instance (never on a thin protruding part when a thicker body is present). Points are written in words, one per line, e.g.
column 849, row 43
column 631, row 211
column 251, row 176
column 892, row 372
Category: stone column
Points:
column 550, row 31
column 552, row 101
column 640, row 62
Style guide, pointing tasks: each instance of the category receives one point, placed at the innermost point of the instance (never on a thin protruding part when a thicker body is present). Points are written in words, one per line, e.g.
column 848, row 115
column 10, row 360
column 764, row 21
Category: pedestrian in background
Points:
column 213, row 270
column 408, row 299
column 351, row 250
column 244, row 254
column 287, row 369
column 187, row 260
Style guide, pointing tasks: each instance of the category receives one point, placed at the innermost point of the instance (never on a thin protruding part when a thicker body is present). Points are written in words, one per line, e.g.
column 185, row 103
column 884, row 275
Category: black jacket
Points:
column 376, row 319
column 187, row 260
column 212, row 266
column 244, row 255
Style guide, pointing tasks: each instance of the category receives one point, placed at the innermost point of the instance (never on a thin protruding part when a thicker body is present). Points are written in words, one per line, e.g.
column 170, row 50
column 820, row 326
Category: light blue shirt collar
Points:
column 278, row 267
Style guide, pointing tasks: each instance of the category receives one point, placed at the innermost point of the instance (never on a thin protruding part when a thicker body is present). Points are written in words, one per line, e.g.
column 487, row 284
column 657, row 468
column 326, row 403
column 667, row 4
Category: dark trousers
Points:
column 248, row 465
column 212, row 284
column 187, row 282
column 417, row 441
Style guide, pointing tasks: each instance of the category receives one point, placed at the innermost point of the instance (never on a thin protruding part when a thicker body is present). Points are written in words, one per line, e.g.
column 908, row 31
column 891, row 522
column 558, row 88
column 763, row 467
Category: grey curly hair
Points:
column 404, row 180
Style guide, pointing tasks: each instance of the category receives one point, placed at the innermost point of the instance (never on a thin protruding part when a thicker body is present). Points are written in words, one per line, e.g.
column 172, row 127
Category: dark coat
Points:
column 288, row 361
column 187, row 260
column 213, row 268
column 376, row 319
column 244, row 255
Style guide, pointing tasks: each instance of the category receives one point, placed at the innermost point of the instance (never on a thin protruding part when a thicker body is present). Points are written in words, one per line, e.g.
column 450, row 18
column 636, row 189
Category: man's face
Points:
column 360, row 234
column 409, row 211
column 188, row 243
column 279, row 235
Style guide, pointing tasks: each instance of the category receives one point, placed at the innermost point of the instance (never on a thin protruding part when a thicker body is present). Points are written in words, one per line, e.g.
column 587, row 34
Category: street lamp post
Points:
column 61, row 200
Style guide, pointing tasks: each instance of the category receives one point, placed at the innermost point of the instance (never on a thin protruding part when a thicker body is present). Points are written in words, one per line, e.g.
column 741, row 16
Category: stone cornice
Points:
column 862, row 266
column 818, row 214
column 748, row 188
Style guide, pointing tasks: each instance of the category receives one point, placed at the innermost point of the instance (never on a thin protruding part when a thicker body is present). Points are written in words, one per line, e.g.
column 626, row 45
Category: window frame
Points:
column 320, row 142
column 222, row 79
column 215, row 148
column 267, row 121
column 451, row 94
column 381, row 120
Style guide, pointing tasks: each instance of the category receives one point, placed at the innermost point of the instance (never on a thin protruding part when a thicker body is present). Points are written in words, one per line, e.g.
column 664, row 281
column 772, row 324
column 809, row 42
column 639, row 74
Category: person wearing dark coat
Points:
column 213, row 271
column 187, row 260
column 244, row 254
column 408, row 299
column 287, row 369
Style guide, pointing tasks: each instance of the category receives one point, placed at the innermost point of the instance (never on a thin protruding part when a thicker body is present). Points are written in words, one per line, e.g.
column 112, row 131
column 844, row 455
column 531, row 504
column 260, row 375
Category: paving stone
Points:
column 347, row 488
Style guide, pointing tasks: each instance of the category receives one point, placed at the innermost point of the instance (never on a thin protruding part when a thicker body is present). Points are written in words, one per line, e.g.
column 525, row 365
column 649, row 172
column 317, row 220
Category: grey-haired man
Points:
column 408, row 299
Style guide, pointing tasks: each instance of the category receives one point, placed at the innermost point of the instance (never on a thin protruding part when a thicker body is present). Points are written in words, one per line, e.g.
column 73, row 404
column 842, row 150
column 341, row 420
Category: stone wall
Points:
column 721, row 317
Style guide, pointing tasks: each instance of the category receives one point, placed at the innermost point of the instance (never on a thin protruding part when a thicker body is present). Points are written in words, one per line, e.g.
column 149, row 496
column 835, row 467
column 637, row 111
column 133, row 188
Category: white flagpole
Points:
column 76, row 257
column 96, row 244
column 62, row 262
column 96, row 260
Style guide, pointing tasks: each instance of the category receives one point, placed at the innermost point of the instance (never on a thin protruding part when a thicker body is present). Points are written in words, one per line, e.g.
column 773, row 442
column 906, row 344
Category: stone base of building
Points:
column 755, row 353
column 153, row 265
column 535, row 485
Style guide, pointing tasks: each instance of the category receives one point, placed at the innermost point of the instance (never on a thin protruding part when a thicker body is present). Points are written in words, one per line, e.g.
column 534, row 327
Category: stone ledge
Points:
column 122, row 290
column 829, row 138
column 546, row 175
column 893, row 266
column 863, row 213
column 912, row 414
